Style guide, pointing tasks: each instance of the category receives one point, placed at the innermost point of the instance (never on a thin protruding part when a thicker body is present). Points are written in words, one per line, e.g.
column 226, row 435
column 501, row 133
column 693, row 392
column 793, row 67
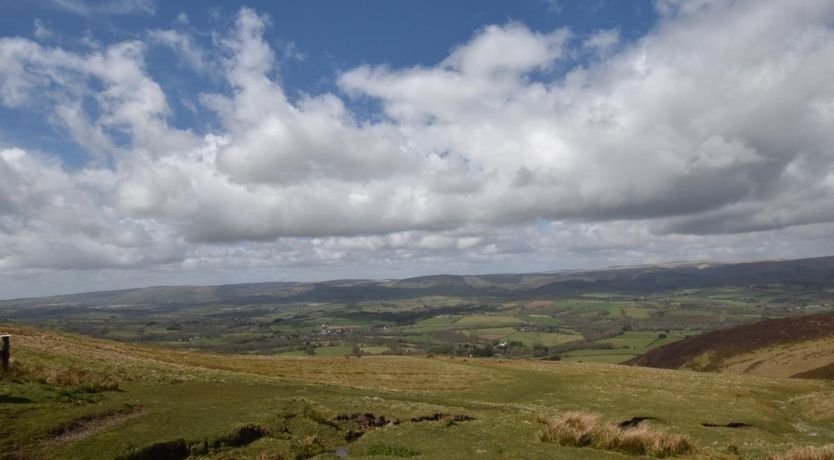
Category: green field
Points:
column 572, row 326
column 60, row 403
column 625, row 346
column 486, row 320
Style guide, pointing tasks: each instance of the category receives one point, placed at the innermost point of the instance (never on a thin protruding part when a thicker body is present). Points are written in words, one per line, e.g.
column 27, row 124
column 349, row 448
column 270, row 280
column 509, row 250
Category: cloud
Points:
column 128, row 100
column 678, row 123
column 52, row 219
column 709, row 135
column 41, row 31
column 554, row 6
column 112, row 7
column 602, row 40
column 183, row 44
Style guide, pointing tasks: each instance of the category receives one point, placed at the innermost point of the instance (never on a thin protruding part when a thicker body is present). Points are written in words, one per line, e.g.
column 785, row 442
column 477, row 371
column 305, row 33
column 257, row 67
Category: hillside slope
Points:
column 815, row 274
column 74, row 397
column 786, row 347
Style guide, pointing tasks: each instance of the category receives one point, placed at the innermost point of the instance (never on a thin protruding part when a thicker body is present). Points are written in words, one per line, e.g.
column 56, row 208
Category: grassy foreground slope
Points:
column 786, row 347
column 75, row 397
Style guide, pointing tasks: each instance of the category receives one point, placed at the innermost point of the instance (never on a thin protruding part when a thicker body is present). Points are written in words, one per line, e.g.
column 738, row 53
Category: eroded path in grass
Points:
column 85, row 427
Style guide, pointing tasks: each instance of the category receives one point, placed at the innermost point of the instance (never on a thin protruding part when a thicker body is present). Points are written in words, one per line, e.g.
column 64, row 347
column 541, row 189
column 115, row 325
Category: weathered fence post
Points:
column 5, row 350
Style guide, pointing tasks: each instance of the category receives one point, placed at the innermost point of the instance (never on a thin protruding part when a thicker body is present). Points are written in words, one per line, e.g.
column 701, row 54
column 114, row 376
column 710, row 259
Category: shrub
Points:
column 580, row 429
column 808, row 453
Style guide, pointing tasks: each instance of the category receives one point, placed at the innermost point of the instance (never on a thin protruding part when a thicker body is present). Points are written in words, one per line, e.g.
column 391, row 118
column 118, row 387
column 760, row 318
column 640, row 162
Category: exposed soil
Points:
column 450, row 419
column 441, row 416
column 428, row 418
column 240, row 436
column 367, row 420
column 364, row 423
column 6, row 399
column 87, row 426
column 726, row 343
column 633, row 422
column 169, row 450
column 824, row 372
column 727, row 425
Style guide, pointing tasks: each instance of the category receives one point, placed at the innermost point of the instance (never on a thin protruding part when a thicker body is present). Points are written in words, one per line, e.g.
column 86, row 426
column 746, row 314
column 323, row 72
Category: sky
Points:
column 145, row 142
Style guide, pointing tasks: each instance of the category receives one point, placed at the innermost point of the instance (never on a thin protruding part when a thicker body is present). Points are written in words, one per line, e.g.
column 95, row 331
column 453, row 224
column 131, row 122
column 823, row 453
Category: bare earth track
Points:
column 87, row 426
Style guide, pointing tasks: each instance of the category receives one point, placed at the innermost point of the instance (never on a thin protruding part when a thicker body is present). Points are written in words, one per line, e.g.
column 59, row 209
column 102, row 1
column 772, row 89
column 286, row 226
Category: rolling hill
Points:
column 75, row 397
column 807, row 274
column 785, row 347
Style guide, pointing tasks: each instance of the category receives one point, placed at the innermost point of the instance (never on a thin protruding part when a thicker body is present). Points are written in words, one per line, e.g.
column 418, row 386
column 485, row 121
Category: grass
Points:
column 201, row 398
column 486, row 320
column 413, row 324
column 808, row 453
column 391, row 450
column 341, row 350
column 544, row 338
column 437, row 323
column 643, row 341
column 599, row 356
column 627, row 345
column 374, row 350
column 637, row 312
column 527, row 338
column 60, row 376
column 580, row 429
column 783, row 360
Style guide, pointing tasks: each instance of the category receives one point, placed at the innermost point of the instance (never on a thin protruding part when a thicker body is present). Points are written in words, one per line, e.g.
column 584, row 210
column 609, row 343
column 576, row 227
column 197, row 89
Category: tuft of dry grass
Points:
column 62, row 377
column 825, row 452
column 642, row 440
column 582, row 429
column 575, row 429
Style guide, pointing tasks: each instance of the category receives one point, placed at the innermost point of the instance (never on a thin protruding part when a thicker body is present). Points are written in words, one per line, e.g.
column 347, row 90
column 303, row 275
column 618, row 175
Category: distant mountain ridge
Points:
column 815, row 273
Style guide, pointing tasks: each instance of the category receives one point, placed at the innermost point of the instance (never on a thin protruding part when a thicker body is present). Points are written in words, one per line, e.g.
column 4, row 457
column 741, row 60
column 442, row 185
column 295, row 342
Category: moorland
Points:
column 492, row 366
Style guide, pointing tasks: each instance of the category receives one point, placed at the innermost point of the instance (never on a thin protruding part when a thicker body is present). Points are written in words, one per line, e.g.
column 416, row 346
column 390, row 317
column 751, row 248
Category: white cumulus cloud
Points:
column 707, row 137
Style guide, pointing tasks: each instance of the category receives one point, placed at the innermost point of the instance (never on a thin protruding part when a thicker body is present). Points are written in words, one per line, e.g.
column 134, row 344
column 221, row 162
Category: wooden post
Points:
column 5, row 350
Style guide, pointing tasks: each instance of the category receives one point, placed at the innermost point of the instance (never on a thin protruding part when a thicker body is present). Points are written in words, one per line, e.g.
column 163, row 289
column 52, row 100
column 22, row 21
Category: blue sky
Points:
column 146, row 142
column 319, row 39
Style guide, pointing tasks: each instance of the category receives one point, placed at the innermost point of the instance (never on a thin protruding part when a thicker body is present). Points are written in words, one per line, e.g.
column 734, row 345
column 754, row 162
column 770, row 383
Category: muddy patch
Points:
column 428, row 418
column 6, row 399
column 368, row 421
column 85, row 427
column 179, row 449
column 240, row 436
column 633, row 422
column 727, row 425
column 168, row 450
column 364, row 423
column 438, row 416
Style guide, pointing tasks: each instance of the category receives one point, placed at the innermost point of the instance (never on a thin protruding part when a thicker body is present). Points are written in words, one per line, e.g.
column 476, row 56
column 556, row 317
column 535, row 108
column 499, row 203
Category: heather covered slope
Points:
column 800, row 346
column 75, row 397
